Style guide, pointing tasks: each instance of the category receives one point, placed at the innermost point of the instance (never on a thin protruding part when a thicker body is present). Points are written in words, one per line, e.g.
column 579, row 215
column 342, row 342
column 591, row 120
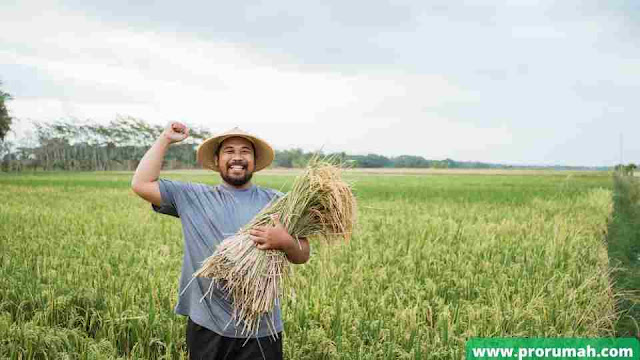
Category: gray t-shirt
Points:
column 209, row 214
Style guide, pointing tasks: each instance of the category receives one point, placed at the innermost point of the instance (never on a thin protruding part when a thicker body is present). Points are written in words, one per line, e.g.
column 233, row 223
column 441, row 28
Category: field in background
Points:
column 410, row 171
column 86, row 266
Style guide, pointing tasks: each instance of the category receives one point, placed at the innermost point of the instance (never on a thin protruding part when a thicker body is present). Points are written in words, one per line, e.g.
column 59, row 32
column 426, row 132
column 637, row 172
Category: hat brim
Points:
column 205, row 154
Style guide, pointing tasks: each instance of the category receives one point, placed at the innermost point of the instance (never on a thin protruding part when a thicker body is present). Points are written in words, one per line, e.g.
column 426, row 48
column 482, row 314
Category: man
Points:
column 209, row 214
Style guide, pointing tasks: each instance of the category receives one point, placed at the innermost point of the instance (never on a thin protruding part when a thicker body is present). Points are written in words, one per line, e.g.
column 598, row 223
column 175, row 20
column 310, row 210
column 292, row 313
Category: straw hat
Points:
column 205, row 154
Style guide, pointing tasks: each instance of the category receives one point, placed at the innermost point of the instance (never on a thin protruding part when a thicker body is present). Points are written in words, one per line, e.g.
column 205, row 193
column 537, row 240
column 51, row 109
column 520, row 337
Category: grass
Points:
column 87, row 270
column 624, row 252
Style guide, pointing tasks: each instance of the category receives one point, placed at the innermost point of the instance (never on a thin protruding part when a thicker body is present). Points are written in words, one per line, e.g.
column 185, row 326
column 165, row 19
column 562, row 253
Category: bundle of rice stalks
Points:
column 320, row 206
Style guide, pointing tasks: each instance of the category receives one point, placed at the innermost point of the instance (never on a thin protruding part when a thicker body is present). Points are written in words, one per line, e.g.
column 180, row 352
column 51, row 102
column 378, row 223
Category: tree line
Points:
column 297, row 158
column 120, row 144
column 75, row 145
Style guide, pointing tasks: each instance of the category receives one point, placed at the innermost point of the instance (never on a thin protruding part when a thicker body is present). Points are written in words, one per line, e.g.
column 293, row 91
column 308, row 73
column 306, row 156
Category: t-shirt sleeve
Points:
column 277, row 195
column 274, row 196
column 170, row 192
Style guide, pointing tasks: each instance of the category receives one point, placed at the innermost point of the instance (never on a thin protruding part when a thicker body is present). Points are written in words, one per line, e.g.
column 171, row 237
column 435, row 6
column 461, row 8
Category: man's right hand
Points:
column 176, row 132
column 145, row 179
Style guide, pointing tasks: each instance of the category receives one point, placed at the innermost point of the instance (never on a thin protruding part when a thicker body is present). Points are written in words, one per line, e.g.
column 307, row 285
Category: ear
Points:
column 215, row 158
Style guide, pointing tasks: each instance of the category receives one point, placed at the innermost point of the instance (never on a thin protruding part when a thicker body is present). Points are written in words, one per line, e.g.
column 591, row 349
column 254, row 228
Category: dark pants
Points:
column 204, row 344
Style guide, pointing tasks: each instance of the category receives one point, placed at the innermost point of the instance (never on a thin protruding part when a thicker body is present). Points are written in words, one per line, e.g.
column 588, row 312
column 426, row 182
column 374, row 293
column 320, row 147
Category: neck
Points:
column 241, row 187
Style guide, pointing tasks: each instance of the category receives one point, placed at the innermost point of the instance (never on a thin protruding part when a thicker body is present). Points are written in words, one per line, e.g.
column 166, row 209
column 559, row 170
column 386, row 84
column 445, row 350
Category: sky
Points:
column 514, row 82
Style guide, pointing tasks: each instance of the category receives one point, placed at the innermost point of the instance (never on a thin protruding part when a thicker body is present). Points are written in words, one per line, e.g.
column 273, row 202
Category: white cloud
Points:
column 537, row 32
column 168, row 76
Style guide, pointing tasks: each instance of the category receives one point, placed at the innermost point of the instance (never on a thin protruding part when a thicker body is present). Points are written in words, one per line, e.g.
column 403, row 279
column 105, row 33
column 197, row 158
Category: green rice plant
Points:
column 435, row 260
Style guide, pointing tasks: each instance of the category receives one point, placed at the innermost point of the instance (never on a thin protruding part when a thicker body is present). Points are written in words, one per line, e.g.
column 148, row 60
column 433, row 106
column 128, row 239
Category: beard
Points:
column 237, row 180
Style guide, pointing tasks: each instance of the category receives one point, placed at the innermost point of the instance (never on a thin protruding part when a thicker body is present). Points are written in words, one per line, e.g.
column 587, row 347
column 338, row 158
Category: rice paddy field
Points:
column 89, row 271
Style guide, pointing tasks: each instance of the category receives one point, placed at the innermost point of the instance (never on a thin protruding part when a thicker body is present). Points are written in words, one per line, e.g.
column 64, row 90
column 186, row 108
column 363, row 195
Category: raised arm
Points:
column 145, row 180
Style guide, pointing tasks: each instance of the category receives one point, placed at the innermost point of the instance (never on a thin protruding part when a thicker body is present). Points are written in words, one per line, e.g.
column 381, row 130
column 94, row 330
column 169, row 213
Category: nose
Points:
column 236, row 156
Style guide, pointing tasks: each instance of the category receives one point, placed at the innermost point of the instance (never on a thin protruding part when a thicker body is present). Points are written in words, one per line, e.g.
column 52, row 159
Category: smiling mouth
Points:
column 237, row 167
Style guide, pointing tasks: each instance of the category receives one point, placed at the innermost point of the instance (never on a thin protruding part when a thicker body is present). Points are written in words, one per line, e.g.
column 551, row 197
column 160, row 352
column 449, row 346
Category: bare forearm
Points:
column 149, row 168
column 298, row 254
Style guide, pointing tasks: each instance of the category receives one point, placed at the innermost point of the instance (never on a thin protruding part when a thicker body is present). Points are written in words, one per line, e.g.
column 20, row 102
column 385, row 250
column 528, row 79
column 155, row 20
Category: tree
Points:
column 410, row 161
column 5, row 119
column 626, row 170
column 371, row 161
column 73, row 144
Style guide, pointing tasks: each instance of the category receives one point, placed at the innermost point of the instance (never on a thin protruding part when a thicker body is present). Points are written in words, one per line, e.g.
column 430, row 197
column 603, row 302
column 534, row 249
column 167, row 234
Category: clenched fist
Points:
column 176, row 132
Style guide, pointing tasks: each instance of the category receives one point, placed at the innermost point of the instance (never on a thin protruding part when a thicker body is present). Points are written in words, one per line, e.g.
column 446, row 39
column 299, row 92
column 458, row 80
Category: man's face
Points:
column 236, row 161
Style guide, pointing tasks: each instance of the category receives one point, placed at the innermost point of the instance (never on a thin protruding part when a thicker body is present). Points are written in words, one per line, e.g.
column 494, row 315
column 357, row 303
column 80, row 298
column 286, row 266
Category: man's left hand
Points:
column 272, row 237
